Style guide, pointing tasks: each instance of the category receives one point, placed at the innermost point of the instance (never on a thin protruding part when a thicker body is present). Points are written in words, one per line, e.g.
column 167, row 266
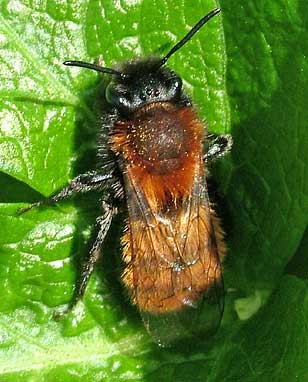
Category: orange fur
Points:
column 174, row 244
column 153, row 283
column 160, row 180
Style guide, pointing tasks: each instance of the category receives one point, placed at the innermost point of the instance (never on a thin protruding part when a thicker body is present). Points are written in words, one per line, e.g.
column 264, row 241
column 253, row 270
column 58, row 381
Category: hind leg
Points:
column 104, row 223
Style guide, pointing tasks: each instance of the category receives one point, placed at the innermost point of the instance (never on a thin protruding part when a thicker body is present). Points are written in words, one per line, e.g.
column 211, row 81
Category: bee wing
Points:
column 174, row 262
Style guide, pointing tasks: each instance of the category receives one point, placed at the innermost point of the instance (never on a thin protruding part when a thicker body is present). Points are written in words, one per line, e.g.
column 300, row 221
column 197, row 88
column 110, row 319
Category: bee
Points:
column 151, row 162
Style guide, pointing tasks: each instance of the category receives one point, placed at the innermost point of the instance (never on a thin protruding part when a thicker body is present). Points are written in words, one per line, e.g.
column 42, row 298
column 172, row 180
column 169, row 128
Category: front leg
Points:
column 83, row 183
column 218, row 145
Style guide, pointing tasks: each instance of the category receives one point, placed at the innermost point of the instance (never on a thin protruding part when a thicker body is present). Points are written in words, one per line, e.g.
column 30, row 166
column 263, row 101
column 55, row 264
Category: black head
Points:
column 144, row 82
column 141, row 82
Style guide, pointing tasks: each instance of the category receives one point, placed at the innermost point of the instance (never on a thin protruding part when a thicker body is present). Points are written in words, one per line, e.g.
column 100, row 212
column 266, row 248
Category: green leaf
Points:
column 247, row 73
column 272, row 346
column 267, row 190
column 268, row 349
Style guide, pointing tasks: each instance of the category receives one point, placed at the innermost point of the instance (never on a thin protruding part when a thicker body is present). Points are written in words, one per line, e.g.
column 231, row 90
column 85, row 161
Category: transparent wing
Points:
column 174, row 263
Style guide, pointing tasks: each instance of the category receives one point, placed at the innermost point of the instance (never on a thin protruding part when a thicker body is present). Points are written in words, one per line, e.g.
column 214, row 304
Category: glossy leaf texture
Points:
column 247, row 73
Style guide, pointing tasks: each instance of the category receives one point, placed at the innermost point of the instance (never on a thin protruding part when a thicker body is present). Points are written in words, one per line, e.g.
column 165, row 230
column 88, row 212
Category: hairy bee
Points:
column 151, row 161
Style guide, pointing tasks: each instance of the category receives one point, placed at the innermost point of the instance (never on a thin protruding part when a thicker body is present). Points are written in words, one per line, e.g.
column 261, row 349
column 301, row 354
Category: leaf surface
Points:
column 247, row 73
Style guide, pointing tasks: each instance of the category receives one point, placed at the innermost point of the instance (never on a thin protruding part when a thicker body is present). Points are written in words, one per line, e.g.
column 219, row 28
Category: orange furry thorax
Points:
column 161, row 148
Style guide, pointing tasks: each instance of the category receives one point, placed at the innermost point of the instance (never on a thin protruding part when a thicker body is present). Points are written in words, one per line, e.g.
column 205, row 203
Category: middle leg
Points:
column 218, row 145
column 83, row 183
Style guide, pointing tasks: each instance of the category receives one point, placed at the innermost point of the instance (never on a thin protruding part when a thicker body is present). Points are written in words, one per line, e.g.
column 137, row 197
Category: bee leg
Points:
column 83, row 183
column 218, row 145
column 104, row 223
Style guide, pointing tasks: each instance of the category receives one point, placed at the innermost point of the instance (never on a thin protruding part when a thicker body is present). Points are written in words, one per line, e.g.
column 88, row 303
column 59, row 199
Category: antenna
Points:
column 162, row 62
column 97, row 68
column 189, row 35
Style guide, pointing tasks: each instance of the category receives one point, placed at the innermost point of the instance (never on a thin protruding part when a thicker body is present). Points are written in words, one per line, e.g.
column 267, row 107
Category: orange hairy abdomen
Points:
column 159, row 287
column 173, row 245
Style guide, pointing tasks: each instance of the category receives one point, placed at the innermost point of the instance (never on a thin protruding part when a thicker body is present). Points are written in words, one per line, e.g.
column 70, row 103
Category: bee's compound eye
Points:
column 112, row 96
column 174, row 86
column 176, row 83
column 117, row 97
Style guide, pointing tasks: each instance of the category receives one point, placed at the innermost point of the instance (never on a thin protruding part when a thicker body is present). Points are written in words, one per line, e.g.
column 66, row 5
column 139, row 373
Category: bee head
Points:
column 143, row 82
